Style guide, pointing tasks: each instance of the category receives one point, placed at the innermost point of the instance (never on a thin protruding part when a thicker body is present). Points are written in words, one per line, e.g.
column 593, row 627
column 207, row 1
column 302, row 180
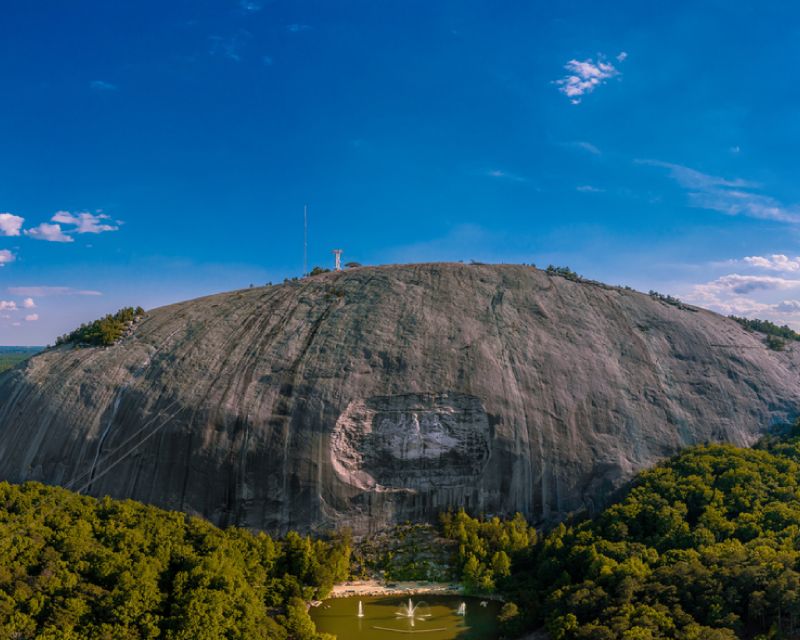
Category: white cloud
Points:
column 10, row 224
column 587, row 188
column 746, row 295
column 775, row 262
column 33, row 317
column 28, row 303
column 505, row 175
column 41, row 292
column 586, row 75
column 6, row 257
column 81, row 222
column 84, row 222
column 731, row 197
column 742, row 284
column 100, row 85
column 251, row 5
column 48, row 232
column 622, row 56
column 8, row 305
column 297, row 28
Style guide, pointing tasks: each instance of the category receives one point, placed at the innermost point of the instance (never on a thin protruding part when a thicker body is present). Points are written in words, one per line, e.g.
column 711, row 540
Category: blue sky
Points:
column 157, row 151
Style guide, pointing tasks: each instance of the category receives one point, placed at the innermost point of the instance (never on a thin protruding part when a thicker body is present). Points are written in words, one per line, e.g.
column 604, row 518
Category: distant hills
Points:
column 12, row 356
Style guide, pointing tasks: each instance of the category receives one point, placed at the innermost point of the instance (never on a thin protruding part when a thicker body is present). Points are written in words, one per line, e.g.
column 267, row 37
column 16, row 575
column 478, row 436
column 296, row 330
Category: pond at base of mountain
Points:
column 394, row 617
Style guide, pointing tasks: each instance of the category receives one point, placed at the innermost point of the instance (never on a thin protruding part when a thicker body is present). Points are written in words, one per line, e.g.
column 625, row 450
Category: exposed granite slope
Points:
column 383, row 394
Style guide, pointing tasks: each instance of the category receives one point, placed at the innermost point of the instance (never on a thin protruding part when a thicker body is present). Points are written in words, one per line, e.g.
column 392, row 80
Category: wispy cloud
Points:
column 8, row 305
column 587, row 188
column 43, row 291
column 297, row 27
column 85, row 222
column 101, row 85
column 586, row 75
column 729, row 196
column 32, row 317
column 6, row 257
column 10, row 224
column 231, row 47
column 251, row 6
column 48, row 233
column 505, row 175
column 586, row 146
column 29, row 303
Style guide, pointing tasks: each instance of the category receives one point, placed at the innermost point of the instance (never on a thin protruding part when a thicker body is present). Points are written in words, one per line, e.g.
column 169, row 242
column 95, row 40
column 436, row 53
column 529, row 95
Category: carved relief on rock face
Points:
column 410, row 442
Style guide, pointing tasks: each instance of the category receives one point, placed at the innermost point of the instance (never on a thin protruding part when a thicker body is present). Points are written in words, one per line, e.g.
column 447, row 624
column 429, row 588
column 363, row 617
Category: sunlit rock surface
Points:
column 387, row 394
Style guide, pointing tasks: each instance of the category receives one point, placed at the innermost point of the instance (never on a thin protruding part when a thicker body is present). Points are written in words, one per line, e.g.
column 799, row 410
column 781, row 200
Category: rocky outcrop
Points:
column 386, row 394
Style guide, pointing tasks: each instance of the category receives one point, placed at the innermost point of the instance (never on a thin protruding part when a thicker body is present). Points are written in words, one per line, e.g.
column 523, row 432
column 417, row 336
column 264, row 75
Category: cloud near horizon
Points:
column 42, row 291
column 749, row 296
column 586, row 75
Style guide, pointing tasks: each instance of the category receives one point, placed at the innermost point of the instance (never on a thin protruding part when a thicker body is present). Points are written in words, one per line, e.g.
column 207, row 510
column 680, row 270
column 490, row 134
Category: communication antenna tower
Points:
column 305, row 240
column 338, row 254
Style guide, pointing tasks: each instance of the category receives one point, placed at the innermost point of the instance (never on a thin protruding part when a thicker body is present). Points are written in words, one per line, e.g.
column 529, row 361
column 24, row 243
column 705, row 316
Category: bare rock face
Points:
column 386, row 394
column 419, row 441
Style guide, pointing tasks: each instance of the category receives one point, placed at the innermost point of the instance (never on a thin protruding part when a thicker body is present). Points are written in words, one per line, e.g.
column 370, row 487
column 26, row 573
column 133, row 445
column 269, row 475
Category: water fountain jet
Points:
column 410, row 611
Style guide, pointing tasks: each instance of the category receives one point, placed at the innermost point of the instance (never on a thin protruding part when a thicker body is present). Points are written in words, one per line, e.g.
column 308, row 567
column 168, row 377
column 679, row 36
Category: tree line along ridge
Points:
column 105, row 331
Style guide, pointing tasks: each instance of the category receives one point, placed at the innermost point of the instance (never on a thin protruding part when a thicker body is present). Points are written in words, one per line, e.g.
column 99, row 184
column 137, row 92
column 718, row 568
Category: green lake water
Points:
column 387, row 618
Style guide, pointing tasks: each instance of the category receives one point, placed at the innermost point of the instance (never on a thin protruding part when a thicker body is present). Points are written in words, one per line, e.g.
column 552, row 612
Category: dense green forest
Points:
column 706, row 545
column 76, row 568
column 105, row 331
column 11, row 356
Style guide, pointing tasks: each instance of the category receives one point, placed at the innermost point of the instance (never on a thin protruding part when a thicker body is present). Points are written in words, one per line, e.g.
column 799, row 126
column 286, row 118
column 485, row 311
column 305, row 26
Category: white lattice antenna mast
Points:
column 305, row 240
column 338, row 254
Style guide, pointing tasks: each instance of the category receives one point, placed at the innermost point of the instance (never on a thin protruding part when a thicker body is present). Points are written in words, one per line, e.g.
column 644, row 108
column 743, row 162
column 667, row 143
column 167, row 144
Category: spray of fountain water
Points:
column 360, row 609
column 409, row 611
column 462, row 609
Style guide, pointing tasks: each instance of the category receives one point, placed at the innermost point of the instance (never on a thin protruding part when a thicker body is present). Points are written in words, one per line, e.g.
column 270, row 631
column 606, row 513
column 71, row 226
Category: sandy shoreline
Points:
column 375, row 588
